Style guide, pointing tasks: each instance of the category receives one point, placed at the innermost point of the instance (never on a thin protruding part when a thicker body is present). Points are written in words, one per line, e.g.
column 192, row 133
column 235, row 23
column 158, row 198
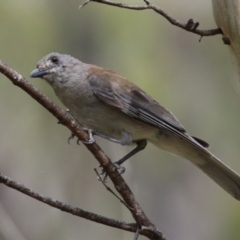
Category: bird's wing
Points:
column 134, row 102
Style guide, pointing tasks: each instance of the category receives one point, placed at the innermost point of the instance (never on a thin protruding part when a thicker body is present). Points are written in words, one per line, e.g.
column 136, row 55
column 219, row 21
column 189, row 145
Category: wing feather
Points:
column 137, row 104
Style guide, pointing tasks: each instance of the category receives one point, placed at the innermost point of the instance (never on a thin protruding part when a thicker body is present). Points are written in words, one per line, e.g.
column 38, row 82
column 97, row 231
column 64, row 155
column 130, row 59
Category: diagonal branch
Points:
column 147, row 228
column 190, row 26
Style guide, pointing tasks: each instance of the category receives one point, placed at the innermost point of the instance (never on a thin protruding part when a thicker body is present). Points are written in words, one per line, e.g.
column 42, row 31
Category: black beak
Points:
column 38, row 73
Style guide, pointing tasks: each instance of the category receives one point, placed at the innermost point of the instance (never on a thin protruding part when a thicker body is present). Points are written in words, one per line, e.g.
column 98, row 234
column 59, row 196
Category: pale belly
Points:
column 109, row 121
column 113, row 124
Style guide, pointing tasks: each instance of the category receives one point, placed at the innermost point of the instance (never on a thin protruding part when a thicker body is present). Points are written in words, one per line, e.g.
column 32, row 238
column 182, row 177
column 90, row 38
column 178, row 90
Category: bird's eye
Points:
column 54, row 59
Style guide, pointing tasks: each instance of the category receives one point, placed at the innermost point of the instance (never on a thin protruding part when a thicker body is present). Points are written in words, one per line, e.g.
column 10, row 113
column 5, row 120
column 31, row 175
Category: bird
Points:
column 112, row 107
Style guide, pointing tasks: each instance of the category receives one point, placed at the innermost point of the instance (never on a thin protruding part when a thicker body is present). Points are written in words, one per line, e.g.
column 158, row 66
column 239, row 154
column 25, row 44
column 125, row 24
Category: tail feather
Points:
column 224, row 176
column 195, row 152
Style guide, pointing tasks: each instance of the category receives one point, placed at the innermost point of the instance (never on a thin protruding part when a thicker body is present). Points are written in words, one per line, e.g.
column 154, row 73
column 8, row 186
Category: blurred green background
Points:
column 193, row 80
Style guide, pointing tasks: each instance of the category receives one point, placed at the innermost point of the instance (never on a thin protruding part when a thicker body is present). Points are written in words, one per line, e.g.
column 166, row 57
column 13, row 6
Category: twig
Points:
column 85, row 3
column 132, row 227
column 110, row 190
column 136, row 234
column 121, row 5
column 149, row 5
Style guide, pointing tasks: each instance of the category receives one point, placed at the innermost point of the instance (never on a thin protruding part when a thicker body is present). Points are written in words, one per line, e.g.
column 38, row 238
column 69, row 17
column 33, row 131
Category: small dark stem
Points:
column 110, row 190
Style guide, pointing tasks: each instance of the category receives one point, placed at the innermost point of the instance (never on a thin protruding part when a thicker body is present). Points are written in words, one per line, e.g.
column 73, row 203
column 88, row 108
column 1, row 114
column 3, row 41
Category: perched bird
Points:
column 114, row 108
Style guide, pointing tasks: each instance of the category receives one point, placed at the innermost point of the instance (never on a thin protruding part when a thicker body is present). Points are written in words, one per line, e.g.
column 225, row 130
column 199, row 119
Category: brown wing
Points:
column 136, row 103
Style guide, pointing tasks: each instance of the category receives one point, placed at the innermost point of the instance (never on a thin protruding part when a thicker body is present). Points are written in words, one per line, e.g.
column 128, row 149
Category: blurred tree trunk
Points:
column 226, row 14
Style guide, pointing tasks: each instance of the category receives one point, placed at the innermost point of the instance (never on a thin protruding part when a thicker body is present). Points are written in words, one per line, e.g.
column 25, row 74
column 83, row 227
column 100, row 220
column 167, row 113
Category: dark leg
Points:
column 141, row 144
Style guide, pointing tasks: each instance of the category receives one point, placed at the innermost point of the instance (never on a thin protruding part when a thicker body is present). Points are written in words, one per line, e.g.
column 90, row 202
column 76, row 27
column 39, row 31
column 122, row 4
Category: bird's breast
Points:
column 93, row 114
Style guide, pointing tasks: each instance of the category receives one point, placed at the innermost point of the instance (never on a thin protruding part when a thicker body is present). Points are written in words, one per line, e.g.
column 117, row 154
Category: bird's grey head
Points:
column 57, row 68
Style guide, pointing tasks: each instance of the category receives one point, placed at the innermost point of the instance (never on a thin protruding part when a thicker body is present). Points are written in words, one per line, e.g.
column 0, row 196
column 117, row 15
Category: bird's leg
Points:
column 141, row 144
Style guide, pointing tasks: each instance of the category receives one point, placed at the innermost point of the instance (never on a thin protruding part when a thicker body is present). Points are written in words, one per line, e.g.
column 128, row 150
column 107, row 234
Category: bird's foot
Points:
column 72, row 136
column 104, row 175
column 91, row 138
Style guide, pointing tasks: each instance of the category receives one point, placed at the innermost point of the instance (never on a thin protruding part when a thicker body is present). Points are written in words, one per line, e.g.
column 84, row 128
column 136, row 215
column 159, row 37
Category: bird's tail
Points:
column 224, row 176
column 201, row 157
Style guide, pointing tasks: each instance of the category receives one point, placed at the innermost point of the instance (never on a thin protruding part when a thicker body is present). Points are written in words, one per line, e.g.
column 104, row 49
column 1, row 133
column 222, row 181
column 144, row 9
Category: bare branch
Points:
column 121, row 5
column 132, row 227
column 66, row 119
column 186, row 26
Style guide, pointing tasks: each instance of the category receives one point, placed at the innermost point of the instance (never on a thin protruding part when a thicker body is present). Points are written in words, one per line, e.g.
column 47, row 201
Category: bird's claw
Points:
column 90, row 134
column 71, row 137
column 91, row 138
column 121, row 169
column 104, row 175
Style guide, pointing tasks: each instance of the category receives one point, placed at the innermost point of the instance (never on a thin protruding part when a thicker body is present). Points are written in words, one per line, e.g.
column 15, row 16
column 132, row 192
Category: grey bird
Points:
column 116, row 109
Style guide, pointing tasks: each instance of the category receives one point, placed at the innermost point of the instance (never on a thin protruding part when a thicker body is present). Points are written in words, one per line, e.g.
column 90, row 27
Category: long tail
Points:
column 191, row 150
column 224, row 176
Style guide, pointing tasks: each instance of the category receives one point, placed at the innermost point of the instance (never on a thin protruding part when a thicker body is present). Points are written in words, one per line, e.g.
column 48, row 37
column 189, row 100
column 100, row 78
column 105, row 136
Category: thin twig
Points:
column 132, row 227
column 110, row 190
column 149, row 5
column 85, row 3
column 136, row 234
column 121, row 5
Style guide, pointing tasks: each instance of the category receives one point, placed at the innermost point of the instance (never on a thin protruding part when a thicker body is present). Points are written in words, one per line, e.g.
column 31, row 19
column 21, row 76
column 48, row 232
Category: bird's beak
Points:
column 39, row 73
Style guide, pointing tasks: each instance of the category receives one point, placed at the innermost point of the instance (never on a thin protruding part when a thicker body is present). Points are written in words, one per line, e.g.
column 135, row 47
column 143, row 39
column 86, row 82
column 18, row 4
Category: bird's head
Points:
column 56, row 68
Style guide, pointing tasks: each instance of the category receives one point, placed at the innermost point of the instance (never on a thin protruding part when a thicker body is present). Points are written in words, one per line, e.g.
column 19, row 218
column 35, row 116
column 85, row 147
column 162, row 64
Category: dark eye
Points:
column 54, row 59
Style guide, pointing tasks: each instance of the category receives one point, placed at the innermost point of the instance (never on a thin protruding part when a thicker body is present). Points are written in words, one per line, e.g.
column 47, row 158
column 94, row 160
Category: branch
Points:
column 132, row 227
column 147, row 228
column 190, row 26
